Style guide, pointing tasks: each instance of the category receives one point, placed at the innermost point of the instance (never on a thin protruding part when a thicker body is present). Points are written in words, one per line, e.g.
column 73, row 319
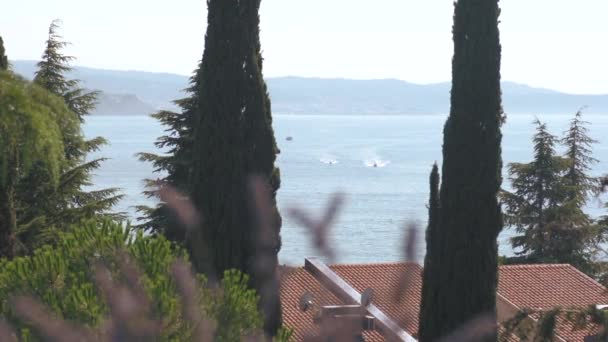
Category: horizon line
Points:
column 327, row 78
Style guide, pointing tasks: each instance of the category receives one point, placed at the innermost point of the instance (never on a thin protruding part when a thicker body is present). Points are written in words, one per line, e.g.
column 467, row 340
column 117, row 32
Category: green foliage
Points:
column 432, row 236
column 538, row 193
column 45, row 207
column 51, row 75
column 28, row 126
column 284, row 334
column 61, row 278
column 464, row 251
column 233, row 140
column 546, row 205
column 3, row 58
column 544, row 326
column 235, row 308
column 29, row 134
column 177, row 164
column 579, row 184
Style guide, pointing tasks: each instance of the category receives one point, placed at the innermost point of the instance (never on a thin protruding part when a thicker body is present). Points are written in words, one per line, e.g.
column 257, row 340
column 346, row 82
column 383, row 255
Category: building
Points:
column 318, row 289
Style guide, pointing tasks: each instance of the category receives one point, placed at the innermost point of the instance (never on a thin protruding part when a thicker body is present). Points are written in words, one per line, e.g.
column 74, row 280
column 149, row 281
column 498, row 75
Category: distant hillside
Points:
column 137, row 92
column 121, row 104
column 156, row 89
column 389, row 96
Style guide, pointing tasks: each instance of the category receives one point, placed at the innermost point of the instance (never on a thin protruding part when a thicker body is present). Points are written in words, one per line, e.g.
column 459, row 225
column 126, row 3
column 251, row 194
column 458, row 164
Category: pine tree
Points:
column 464, row 257
column 547, row 203
column 3, row 58
column 579, row 184
column 29, row 133
column 582, row 235
column 177, row 164
column 534, row 206
column 51, row 74
column 47, row 207
column 233, row 140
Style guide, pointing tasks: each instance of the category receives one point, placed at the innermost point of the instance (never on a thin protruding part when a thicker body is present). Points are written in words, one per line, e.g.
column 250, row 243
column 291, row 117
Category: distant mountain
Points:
column 138, row 92
column 390, row 96
column 123, row 92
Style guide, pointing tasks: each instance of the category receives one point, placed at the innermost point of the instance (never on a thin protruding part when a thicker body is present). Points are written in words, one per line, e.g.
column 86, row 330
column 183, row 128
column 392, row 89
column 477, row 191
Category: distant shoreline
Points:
column 142, row 92
column 366, row 115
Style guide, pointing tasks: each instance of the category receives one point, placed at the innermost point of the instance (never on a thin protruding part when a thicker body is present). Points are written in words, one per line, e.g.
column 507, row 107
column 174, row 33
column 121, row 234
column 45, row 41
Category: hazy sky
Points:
column 558, row 44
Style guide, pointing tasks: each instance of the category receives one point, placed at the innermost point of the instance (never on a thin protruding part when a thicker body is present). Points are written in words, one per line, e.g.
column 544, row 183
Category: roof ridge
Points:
column 386, row 263
column 537, row 266
column 589, row 279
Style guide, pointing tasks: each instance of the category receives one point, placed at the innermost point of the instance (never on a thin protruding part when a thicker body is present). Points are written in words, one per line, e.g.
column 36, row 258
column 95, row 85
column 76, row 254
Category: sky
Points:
column 555, row 44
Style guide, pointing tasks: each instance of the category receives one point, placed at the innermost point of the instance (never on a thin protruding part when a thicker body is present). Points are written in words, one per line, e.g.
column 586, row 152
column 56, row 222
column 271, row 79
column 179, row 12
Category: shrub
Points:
column 62, row 279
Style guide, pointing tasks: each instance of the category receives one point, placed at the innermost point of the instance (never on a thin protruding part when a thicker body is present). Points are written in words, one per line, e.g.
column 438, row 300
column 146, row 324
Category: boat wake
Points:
column 328, row 161
column 376, row 163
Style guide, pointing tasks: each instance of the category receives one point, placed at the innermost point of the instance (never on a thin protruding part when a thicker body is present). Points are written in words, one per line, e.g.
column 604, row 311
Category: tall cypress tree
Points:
column 3, row 58
column 432, row 236
column 47, row 207
column 465, row 254
column 233, row 140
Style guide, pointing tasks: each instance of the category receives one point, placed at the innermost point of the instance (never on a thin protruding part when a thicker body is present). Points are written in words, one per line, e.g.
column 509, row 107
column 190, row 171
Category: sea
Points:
column 380, row 163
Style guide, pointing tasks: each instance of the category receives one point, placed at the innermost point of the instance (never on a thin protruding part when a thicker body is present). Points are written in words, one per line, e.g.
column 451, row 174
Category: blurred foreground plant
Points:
column 104, row 282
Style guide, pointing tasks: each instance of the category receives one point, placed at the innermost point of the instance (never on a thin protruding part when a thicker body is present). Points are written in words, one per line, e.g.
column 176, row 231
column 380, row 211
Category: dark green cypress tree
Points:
column 47, row 207
column 3, row 58
column 233, row 140
column 431, row 237
column 465, row 257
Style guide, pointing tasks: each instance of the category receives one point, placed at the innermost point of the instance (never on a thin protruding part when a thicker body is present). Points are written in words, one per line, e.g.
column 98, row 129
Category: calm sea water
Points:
column 338, row 153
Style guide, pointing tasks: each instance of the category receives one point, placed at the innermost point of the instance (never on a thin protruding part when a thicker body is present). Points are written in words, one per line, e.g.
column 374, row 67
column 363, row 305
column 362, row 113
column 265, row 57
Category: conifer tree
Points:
column 547, row 203
column 432, row 236
column 464, row 257
column 176, row 164
column 579, row 184
column 48, row 207
column 233, row 140
column 539, row 194
column 29, row 133
column 582, row 235
column 3, row 58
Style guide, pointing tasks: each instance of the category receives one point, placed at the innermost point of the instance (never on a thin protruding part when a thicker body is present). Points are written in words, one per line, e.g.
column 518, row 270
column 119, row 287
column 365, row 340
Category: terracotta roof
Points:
column 547, row 286
column 525, row 286
column 543, row 287
column 383, row 278
column 293, row 285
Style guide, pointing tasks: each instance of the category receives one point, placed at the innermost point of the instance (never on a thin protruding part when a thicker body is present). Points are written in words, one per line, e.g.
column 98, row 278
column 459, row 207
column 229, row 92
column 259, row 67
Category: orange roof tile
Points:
column 542, row 287
column 547, row 286
column 293, row 285
column 526, row 286
column 383, row 279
